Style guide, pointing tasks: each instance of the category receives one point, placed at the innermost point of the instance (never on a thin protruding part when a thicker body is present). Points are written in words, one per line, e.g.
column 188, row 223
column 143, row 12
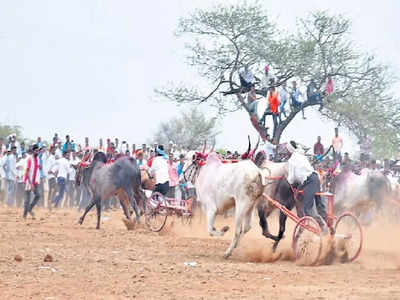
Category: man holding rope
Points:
column 303, row 174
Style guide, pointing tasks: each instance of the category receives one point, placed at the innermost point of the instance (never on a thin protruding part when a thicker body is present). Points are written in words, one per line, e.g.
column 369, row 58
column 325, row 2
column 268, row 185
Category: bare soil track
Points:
column 114, row 263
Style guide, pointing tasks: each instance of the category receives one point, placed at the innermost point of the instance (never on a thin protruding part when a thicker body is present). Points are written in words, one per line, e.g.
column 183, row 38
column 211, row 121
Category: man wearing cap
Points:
column 301, row 172
column 32, row 180
column 159, row 170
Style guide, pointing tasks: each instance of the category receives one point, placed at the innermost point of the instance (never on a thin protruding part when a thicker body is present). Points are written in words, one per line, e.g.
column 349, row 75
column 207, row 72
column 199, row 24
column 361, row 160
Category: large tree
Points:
column 225, row 38
column 188, row 131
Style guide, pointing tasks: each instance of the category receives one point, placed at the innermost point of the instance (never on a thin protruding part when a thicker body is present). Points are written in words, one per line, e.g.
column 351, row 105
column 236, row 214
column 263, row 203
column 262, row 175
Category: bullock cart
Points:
column 345, row 230
column 158, row 208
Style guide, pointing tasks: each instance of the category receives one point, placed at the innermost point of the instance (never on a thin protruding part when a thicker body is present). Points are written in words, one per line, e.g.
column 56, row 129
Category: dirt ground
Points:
column 114, row 263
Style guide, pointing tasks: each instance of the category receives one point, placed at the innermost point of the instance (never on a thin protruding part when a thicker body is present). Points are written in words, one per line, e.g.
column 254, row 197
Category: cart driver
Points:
column 302, row 174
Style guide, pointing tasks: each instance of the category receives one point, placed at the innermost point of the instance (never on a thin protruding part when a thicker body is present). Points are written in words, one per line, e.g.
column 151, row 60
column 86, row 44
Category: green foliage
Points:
column 6, row 130
column 189, row 131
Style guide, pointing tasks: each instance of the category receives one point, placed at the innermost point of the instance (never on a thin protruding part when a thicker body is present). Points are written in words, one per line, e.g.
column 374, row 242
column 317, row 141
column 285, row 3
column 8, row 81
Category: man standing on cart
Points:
column 159, row 170
column 301, row 173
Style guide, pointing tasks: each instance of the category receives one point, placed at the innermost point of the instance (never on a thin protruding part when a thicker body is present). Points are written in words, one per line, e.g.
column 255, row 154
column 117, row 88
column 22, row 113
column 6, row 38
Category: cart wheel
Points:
column 348, row 236
column 156, row 212
column 307, row 242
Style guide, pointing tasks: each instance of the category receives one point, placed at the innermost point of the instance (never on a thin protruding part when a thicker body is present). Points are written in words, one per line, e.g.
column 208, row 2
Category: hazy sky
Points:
column 88, row 68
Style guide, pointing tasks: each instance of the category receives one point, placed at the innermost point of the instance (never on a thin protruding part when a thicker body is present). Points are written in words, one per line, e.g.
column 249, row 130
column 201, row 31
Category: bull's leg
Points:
column 133, row 203
column 282, row 228
column 241, row 214
column 211, row 213
column 140, row 196
column 299, row 203
column 263, row 213
column 88, row 208
column 124, row 206
column 98, row 208
column 247, row 221
column 122, row 197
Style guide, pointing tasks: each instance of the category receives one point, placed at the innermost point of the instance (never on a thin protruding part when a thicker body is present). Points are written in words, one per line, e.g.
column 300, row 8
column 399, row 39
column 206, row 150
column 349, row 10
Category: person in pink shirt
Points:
column 32, row 182
column 173, row 175
column 337, row 144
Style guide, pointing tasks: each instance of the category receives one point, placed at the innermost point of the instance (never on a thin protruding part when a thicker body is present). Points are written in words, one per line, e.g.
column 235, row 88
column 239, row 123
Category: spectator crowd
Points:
column 47, row 171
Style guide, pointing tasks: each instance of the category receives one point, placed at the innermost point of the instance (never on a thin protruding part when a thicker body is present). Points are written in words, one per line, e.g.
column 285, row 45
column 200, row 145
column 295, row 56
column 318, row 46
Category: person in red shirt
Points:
column 32, row 182
column 273, row 100
column 150, row 160
column 110, row 148
column 318, row 147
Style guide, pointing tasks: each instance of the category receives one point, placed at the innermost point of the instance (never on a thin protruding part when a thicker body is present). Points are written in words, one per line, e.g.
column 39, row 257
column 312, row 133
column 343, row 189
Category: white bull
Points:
column 220, row 187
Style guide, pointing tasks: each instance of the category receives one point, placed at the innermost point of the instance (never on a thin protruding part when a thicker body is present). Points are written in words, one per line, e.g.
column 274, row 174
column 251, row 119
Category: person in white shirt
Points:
column 267, row 81
column 51, row 177
column 10, row 168
column 21, row 166
column 246, row 79
column 303, row 174
column 62, row 169
column 283, row 98
column 269, row 148
column 74, row 162
column 124, row 147
column 159, row 170
column 58, row 150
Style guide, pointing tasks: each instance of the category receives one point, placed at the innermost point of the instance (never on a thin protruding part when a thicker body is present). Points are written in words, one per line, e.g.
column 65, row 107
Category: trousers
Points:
column 162, row 188
column 310, row 187
column 10, row 192
column 28, row 205
column 61, row 190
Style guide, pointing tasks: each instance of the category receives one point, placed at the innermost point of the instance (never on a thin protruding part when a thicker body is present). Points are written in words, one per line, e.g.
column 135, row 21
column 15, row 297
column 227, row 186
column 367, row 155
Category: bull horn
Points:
column 249, row 149
column 258, row 143
column 251, row 154
column 204, row 147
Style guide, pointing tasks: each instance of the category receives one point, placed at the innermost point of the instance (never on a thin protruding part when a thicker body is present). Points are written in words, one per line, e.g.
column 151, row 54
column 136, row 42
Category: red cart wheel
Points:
column 348, row 236
column 307, row 242
column 156, row 212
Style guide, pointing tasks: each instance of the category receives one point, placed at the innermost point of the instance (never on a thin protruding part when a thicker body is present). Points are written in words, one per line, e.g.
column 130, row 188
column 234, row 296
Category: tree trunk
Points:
column 261, row 130
column 281, row 126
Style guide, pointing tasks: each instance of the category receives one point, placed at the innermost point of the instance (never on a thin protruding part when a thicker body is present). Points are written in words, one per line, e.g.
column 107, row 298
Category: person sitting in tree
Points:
column 295, row 98
column 313, row 95
column 246, row 79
